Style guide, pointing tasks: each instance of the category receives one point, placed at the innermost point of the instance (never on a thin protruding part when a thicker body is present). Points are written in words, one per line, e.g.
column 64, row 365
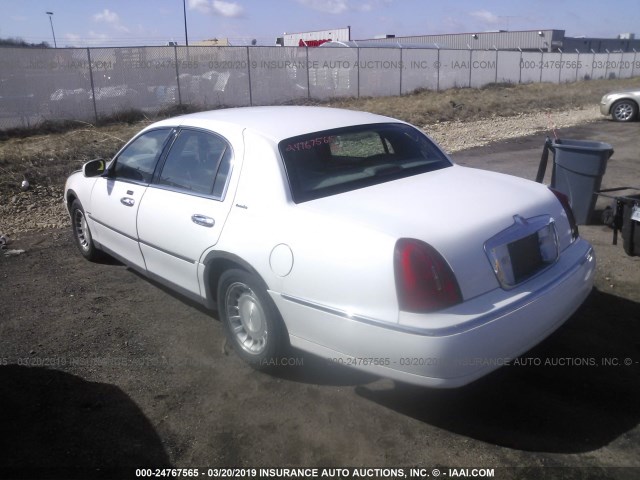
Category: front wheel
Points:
column 624, row 111
column 251, row 320
column 81, row 233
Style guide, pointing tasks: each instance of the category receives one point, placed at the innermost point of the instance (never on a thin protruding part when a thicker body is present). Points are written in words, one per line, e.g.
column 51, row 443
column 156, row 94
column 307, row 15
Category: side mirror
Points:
column 93, row 168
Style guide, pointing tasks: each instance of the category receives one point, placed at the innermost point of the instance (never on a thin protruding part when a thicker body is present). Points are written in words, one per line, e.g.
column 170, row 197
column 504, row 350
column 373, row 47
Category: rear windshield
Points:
column 340, row 160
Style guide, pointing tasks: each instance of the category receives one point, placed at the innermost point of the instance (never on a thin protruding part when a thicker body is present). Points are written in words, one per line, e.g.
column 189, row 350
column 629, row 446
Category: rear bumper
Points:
column 605, row 108
column 454, row 347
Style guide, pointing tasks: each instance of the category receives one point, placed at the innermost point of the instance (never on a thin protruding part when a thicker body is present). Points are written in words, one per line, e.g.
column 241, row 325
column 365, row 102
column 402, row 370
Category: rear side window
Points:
column 337, row 161
column 194, row 162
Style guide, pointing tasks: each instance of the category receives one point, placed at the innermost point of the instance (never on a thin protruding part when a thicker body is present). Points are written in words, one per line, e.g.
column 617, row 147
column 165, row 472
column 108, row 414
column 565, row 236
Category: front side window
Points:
column 194, row 161
column 138, row 160
column 336, row 161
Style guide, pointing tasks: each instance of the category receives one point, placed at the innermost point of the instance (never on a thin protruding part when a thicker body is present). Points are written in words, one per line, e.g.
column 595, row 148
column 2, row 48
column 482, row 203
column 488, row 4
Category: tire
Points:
column 81, row 233
column 251, row 320
column 624, row 110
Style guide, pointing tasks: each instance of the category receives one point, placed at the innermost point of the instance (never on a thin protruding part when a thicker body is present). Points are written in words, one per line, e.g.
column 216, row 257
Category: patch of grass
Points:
column 496, row 100
column 498, row 86
column 128, row 116
column 175, row 110
column 48, row 158
column 45, row 127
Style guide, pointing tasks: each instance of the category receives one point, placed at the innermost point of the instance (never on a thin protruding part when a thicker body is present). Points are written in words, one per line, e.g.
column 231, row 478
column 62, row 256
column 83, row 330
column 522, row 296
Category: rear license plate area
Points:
column 526, row 258
column 523, row 250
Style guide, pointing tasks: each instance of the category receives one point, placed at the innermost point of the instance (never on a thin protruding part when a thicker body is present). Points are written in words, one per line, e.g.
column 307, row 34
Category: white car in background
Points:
column 345, row 234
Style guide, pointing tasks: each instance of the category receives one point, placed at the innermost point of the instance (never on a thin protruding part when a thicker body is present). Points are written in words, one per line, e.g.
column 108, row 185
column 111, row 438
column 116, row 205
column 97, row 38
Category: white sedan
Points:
column 345, row 234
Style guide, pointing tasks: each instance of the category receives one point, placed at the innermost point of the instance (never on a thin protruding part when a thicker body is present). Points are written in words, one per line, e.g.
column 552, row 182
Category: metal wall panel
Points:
column 483, row 67
column 584, row 63
column 278, row 74
column 627, row 64
column 531, row 66
column 380, row 70
column 550, row 67
column 332, row 72
column 614, row 63
column 455, row 69
column 568, row 67
column 508, row 66
column 213, row 76
column 599, row 66
column 600, row 45
column 419, row 70
column 134, row 80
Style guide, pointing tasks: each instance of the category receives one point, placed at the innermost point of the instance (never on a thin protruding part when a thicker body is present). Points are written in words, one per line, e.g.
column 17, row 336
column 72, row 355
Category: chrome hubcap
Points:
column 623, row 111
column 246, row 318
column 82, row 231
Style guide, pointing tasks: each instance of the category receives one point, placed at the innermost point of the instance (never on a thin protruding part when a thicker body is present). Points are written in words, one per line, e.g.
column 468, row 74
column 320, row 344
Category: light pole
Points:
column 184, row 11
column 55, row 45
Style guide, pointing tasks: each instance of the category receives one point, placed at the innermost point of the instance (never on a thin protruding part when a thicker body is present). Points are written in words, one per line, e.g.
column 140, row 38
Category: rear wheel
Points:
column 624, row 111
column 81, row 232
column 251, row 320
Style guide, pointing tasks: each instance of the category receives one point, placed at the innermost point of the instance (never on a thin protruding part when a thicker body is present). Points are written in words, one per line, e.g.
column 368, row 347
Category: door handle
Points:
column 203, row 220
column 127, row 202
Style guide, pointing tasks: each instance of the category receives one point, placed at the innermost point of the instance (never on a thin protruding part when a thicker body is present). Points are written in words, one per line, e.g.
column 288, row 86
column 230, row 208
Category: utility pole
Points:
column 184, row 11
column 55, row 45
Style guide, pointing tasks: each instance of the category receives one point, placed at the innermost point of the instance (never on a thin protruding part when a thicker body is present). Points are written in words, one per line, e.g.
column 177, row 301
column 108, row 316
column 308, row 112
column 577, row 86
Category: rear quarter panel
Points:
column 336, row 263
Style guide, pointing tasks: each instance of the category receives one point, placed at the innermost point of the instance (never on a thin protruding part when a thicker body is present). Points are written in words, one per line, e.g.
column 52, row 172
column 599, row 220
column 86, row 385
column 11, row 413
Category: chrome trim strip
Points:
column 111, row 228
column 341, row 313
column 459, row 328
column 173, row 254
column 184, row 191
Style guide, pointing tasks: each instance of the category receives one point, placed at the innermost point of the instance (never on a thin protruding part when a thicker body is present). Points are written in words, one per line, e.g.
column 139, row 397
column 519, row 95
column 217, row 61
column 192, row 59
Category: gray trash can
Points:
column 578, row 168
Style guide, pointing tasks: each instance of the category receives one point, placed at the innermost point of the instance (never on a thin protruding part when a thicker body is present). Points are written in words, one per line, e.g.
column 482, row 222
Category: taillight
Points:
column 424, row 280
column 564, row 200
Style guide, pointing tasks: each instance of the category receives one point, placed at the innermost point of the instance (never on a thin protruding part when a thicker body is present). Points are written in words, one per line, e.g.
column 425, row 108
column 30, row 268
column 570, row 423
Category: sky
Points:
column 81, row 23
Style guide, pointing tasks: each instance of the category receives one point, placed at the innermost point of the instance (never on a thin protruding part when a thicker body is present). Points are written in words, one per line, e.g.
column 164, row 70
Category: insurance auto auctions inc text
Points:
column 375, row 472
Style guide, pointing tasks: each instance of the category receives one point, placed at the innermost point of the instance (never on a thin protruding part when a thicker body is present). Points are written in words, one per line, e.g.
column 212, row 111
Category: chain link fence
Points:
column 87, row 84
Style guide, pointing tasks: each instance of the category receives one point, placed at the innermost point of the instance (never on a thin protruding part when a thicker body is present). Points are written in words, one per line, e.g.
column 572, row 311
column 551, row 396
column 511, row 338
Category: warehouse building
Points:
column 529, row 40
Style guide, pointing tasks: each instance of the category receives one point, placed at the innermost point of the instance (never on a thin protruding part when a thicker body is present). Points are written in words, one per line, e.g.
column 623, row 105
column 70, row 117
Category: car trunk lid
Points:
column 456, row 210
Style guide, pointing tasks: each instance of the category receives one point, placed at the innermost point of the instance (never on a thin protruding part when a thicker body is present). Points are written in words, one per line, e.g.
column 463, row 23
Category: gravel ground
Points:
column 42, row 207
column 459, row 135
column 35, row 209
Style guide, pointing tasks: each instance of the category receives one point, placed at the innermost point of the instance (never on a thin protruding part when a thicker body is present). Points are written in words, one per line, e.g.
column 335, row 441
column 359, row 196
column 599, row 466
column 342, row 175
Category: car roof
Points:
column 276, row 122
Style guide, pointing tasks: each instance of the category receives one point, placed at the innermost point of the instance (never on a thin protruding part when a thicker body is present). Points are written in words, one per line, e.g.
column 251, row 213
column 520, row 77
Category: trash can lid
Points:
column 563, row 144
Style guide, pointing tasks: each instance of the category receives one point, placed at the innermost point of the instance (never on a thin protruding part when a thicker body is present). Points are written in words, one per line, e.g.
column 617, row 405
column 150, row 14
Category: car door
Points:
column 184, row 209
column 116, row 196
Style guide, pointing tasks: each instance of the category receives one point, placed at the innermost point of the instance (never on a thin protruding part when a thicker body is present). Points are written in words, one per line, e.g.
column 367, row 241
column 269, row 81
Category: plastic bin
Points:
column 578, row 168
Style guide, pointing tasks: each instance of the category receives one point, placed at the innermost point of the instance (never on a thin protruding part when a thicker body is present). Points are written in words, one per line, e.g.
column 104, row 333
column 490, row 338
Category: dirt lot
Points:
column 101, row 367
